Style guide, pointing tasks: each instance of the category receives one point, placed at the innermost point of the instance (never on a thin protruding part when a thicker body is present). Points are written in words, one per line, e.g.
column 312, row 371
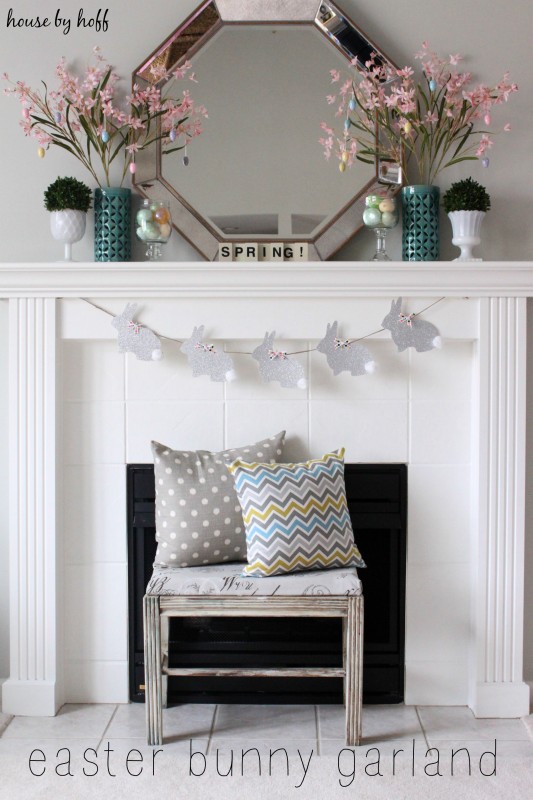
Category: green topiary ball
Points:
column 66, row 193
column 466, row 195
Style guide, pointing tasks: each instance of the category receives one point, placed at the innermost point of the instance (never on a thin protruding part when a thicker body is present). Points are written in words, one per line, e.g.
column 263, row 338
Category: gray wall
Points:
column 399, row 28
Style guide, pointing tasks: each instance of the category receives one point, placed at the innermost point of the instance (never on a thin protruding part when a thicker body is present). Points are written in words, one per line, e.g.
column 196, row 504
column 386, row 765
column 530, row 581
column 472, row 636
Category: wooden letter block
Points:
column 298, row 251
column 274, row 251
column 225, row 251
column 247, row 251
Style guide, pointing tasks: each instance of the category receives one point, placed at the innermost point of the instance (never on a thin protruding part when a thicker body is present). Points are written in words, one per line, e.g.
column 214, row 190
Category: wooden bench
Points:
column 160, row 604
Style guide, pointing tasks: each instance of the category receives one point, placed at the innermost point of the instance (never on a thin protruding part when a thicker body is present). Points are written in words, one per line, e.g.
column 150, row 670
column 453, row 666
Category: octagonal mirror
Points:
column 257, row 172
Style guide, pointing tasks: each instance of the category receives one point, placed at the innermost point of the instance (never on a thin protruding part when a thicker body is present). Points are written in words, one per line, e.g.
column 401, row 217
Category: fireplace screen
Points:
column 377, row 500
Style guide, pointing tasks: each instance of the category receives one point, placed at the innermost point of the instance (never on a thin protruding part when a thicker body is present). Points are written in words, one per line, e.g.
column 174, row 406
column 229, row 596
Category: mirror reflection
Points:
column 257, row 171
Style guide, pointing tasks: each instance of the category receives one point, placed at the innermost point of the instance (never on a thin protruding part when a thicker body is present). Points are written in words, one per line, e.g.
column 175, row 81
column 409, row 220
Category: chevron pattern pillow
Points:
column 295, row 515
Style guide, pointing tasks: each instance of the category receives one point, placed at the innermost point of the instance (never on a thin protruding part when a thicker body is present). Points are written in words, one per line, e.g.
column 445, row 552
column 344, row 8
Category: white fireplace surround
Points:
column 482, row 323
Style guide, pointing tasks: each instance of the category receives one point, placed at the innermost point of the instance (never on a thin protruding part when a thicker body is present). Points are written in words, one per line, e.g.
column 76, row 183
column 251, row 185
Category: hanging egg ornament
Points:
column 41, row 152
column 185, row 161
column 342, row 166
column 432, row 85
column 485, row 162
column 346, row 124
column 57, row 117
column 105, row 137
column 487, row 119
column 133, row 167
column 345, row 156
column 172, row 135
column 352, row 105
column 407, row 127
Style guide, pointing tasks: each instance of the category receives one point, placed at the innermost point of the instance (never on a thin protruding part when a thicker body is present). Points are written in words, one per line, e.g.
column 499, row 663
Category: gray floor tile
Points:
column 504, row 749
column 265, row 723
column 380, row 723
column 171, row 747
column 528, row 723
column 458, row 723
column 266, row 748
column 5, row 719
column 333, row 747
column 190, row 721
column 71, row 722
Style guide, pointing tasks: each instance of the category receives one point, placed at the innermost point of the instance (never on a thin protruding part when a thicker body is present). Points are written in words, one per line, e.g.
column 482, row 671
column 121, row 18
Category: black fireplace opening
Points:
column 377, row 501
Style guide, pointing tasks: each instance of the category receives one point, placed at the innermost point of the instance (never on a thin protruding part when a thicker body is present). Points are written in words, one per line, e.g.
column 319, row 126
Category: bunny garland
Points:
column 205, row 359
column 134, row 338
column 343, row 355
column 276, row 365
column 408, row 331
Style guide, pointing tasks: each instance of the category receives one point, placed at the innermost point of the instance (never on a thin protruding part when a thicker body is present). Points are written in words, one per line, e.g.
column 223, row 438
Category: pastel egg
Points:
column 432, row 85
column 150, row 232
column 342, row 166
column 345, row 156
column 387, row 205
column 105, row 136
column 407, row 127
column 352, row 104
column 144, row 215
column 161, row 215
column 371, row 217
column 485, row 162
column 346, row 124
column 373, row 200
column 185, row 161
column 172, row 135
column 165, row 230
column 389, row 220
column 133, row 167
column 41, row 152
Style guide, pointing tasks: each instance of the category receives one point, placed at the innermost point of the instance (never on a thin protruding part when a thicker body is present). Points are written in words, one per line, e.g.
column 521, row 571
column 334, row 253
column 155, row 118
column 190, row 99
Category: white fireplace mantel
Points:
column 275, row 279
column 496, row 686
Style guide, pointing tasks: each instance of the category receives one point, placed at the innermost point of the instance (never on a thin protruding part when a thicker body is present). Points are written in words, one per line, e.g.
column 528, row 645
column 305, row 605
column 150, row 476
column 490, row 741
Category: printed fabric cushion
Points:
column 296, row 515
column 226, row 580
column 198, row 515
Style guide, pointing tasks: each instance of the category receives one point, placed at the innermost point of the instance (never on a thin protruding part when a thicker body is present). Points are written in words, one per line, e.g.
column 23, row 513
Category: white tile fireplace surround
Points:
column 80, row 412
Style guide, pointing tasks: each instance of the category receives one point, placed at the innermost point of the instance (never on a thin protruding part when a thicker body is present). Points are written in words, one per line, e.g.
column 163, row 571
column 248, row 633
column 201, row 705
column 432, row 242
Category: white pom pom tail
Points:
column 370, row 367
column 231, row 375
column 437, row 342
column 302, row 384
column 157, row 355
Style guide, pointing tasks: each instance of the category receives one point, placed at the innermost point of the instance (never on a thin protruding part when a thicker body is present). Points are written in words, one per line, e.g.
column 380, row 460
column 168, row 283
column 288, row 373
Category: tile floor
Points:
column 223, row 727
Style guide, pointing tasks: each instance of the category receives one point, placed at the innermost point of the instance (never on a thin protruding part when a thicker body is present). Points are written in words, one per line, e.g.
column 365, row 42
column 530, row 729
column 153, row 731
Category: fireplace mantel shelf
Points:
column 268, row 279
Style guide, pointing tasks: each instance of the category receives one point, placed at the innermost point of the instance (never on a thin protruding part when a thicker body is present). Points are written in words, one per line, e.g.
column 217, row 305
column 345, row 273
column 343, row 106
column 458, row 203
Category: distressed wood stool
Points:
column 219, row 591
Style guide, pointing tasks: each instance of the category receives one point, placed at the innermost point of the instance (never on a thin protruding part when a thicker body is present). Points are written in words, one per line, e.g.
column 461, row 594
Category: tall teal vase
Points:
column 112, row 224
column 420, row 215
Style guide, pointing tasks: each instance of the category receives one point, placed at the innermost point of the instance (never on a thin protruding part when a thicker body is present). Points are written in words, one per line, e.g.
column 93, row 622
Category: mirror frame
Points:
column 208, row 18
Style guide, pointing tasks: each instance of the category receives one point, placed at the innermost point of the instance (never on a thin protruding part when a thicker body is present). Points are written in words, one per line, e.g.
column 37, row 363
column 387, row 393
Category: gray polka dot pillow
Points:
column 198, row 516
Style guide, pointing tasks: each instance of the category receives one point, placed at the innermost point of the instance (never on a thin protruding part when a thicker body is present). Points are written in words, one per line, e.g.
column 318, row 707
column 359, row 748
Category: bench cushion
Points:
column 227, row 580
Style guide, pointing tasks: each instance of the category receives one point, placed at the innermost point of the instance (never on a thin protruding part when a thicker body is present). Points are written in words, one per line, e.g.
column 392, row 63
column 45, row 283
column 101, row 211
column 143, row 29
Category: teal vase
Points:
column 112, row 224
column 420, row 216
